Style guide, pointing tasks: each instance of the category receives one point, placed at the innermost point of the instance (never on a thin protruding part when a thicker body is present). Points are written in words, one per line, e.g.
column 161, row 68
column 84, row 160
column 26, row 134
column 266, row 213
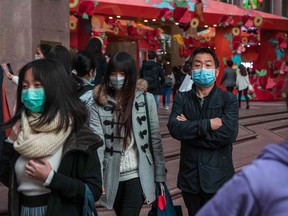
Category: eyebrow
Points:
column 204, row 61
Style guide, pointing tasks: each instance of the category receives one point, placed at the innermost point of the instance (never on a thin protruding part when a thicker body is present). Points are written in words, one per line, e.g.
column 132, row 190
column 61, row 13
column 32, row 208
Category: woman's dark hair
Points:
column 45, row 49
column 83, row 63
column 167, row 69
column 242, row 69
column 61, row 55
column 94, row 47
column 123, row 62
column 205, row 50
column 59, row 92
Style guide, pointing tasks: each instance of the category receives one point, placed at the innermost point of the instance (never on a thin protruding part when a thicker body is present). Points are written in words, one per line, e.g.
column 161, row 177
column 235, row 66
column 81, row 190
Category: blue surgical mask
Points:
column 36, row 57
column 33, row 99
column 203, row 77
column 117, row 82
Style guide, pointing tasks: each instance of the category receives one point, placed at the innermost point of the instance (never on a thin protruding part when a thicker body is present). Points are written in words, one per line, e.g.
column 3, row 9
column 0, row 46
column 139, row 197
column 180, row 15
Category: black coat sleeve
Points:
column 6, row 166
column 227, row 133
column 185, row 130
column 86, row 170
column 198, row 133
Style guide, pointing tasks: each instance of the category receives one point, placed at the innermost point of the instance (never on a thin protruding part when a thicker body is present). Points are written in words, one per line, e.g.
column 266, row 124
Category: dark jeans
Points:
column 129, row 198
column 245, row 95
column 194, row 202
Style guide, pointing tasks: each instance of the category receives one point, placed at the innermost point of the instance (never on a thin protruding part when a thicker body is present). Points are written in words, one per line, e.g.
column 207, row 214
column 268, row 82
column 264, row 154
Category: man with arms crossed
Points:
column 205, row 120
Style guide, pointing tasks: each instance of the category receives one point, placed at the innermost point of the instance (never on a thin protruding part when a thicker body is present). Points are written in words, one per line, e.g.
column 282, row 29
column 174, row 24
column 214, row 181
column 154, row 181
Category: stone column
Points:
column 24, row 25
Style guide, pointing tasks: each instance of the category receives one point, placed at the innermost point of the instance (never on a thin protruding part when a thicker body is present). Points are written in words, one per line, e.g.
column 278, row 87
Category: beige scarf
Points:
column 35, row 142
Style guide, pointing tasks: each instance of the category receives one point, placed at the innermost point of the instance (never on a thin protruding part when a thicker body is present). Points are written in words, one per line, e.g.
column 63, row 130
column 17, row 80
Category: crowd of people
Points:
column 86, row 130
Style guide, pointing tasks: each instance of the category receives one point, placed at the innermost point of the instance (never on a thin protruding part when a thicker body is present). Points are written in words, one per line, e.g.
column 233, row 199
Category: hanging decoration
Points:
column 199, row 8
column 226, row 21
column 86, row 9
column 194, row 22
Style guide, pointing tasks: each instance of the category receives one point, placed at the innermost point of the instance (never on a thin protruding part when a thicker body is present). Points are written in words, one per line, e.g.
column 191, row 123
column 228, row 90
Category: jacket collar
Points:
column 83, row 139
column 102, row 98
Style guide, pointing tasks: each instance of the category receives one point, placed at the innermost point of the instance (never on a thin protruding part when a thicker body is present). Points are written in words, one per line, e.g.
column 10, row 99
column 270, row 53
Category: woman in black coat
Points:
column 49, row 161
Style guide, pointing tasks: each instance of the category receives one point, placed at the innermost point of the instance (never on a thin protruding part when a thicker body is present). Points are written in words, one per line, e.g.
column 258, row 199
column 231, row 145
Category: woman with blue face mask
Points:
column 49, row 161
column 119, row 116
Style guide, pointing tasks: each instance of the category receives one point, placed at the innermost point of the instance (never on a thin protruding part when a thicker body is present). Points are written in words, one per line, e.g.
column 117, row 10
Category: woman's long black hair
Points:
column 60, row 95
column 123, row 62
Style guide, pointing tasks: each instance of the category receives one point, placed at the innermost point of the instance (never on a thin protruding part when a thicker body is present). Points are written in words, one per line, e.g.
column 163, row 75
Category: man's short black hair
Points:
column 205, row 50
column 230, row 63
column 151, row 55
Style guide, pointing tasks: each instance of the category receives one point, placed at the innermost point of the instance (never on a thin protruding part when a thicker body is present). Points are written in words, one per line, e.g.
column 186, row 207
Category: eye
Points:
column 38, row 85
column 24, row 86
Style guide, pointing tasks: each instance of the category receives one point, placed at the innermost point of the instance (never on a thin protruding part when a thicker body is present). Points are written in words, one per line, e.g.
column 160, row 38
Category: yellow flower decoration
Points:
column 244, row 40
column 194, row 22
column 179, row 39
column 258, row 20
column 236, row 31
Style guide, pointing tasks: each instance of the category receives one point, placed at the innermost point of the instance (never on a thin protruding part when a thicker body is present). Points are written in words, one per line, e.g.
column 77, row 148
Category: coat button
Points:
column 200, row 164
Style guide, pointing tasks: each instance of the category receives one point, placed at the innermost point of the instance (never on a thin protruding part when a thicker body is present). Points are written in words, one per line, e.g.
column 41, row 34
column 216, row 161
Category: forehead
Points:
column 203, row 57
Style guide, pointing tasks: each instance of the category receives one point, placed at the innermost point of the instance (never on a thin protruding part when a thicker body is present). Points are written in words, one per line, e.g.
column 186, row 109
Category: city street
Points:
column 262, row 124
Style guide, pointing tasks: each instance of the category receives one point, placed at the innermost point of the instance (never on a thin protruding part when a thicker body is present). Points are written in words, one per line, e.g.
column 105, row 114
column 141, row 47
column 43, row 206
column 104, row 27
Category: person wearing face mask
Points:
column 118, row 115
column 205, row 120
column 41, row 52
column 49, row 161
column 84, row 72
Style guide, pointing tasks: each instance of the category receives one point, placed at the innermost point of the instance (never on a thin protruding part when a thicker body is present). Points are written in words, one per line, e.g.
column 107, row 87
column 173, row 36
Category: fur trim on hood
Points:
column 102, row 98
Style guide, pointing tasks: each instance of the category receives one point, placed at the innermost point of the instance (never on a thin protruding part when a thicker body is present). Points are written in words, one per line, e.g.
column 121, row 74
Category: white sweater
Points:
column 242, row 82
column 26, row 184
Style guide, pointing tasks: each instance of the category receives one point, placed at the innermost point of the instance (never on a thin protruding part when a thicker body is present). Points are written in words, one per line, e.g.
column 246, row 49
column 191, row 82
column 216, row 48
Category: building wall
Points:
column 24, row 25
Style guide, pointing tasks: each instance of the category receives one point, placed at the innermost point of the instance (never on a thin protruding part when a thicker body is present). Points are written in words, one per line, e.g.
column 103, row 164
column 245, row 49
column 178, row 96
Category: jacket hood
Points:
column 83, row 139
column 102, row 98
column 276, row 152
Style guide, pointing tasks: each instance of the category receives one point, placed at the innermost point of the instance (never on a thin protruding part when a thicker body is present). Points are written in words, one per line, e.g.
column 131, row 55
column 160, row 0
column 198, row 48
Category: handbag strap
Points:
column 148, row 125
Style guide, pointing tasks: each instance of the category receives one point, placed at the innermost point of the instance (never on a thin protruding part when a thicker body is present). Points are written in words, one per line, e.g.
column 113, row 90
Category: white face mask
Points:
column 117, row 82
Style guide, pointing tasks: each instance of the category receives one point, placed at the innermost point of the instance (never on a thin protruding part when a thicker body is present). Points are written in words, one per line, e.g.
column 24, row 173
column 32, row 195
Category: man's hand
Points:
column 216, row 123
column 8, row 74
column 38, row 169
column 181, row 118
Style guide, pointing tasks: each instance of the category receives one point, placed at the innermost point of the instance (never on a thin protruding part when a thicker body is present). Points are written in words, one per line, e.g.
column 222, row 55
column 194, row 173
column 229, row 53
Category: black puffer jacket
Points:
column 153, row 73
column 206, row 154
column 79, row 166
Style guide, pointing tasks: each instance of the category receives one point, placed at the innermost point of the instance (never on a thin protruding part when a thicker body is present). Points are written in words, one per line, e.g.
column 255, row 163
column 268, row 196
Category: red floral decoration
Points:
column 226, row 21
column 165, row 13
column 85, row 7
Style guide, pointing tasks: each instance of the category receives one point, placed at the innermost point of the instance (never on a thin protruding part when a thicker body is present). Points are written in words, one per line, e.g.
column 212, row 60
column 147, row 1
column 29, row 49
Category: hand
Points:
column 38, row 169
column 181, row 118
column 216, row 123
column 8, row 74
column 15, row 131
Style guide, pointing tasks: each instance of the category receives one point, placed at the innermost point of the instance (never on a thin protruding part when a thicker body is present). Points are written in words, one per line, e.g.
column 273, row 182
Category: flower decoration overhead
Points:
column 247, row 21
column 226, row 21
column 86, row 9
column 166, row 14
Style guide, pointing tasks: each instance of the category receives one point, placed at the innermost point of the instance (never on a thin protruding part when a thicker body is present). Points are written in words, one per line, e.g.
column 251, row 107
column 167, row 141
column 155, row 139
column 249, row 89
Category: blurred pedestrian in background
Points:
column 94, row 47
column 229, row 77
column 167, row 86
column 242, row 84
